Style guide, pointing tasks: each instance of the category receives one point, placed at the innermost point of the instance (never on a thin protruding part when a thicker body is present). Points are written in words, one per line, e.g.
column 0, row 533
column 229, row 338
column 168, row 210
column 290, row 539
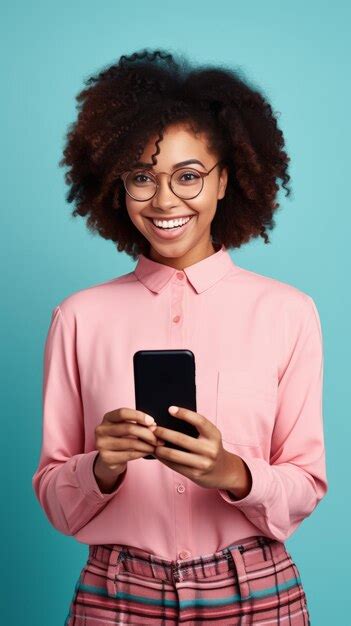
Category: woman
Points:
column 177, row 165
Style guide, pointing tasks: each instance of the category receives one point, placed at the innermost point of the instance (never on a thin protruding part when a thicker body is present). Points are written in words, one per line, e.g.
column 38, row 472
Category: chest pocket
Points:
column 246, row 404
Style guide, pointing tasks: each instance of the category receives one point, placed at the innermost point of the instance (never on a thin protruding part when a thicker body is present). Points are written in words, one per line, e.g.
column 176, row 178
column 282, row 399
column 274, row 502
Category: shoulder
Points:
column 287, row 311
column 94, row 298
column 275, row 295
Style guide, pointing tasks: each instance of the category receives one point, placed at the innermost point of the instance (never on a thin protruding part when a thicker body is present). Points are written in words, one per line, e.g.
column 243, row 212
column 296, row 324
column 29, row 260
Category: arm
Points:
column 287, row 489
column 107, row 479
column 64, row 481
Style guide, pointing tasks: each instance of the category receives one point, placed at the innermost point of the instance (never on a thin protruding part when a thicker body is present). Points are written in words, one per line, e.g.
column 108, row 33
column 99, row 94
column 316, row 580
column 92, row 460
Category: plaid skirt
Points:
column 251, row 582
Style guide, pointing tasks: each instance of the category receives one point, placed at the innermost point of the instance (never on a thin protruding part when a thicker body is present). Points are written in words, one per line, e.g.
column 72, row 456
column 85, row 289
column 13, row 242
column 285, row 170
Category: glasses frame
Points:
column 203, row 175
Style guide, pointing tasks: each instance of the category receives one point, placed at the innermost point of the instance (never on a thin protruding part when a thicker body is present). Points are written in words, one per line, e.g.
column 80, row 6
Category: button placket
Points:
column 177, row 296
column 182, row 518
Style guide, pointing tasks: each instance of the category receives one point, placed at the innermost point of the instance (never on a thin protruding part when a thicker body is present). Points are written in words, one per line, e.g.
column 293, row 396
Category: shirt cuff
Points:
column 87, row 481
column 258, row 470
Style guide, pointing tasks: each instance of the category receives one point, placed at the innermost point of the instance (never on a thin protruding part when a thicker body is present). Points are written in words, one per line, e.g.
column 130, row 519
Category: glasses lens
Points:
column 185, row 183
column 141, row 185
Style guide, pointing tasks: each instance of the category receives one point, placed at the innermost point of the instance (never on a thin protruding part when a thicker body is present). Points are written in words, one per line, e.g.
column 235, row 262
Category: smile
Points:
column 170, row 232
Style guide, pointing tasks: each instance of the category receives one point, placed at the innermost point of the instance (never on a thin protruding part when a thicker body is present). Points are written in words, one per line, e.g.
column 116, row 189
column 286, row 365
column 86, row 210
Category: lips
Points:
column 169, row 219
column 170, row 233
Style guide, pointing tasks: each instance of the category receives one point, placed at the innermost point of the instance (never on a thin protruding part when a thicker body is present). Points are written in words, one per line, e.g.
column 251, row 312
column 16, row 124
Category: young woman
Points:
column 176, row 165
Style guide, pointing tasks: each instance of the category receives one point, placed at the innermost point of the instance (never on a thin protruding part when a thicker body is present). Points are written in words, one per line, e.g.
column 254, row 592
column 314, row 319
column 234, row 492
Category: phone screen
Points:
column 163, row 378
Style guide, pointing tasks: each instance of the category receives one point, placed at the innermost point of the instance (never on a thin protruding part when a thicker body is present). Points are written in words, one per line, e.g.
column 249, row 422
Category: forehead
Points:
column 179, row 143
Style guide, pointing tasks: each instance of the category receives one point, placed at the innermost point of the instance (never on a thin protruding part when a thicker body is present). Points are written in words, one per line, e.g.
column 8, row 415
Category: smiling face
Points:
column 192, row 242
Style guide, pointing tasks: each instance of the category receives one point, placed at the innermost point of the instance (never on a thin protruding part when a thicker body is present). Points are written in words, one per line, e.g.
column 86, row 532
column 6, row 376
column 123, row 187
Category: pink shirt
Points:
column 259, row 374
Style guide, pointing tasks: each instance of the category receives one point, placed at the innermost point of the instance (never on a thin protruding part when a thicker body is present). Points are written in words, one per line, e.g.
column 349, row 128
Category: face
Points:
column 192, row 242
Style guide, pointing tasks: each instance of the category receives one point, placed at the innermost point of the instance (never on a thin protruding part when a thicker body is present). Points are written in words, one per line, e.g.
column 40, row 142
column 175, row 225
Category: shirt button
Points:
column 176, row 318
column 184, row 554
column 181, row 488
column 180, row 275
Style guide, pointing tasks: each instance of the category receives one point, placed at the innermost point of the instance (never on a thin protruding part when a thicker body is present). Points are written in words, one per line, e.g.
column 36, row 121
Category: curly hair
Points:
column 127, row 103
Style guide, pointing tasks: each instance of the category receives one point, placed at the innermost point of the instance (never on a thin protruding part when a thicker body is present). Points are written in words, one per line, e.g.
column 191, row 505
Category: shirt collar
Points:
column 201, row 275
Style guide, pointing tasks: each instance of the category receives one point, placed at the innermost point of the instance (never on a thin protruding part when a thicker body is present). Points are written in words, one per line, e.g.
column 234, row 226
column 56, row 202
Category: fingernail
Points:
column 149, row 420
column 153, row 427
column 173, row 409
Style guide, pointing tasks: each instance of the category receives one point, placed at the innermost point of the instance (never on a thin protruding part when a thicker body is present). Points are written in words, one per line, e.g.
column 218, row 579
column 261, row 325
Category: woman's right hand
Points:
column 122, row 436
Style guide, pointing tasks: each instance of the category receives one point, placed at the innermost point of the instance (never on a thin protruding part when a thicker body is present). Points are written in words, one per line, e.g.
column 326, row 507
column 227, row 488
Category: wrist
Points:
column 107, row 479
column 238, row 477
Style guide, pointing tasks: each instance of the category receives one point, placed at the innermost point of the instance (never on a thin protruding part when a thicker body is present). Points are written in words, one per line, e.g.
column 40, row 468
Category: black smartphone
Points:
column 163, row 378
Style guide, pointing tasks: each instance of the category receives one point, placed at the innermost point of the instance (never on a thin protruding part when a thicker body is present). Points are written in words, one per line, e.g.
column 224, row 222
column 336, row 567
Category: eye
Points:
column 187, row 176
column 140, row 178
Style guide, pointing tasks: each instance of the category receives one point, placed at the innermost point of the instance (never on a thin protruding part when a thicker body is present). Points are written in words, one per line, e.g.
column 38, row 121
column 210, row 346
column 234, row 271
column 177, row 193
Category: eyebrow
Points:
column 150, row 165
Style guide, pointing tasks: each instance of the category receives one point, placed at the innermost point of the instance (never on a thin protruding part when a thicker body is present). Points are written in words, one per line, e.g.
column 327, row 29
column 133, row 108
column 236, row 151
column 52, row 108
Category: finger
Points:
column 192, row 444
column 160, row 442
column 125, row 413
column 200, row 422
column 114, row 458
column 131, row 430
column 123, row 443
column 182, row 458
column 142, row 432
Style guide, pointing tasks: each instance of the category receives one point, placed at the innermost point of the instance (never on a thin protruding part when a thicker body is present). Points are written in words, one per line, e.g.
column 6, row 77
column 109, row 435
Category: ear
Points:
column 222, row 183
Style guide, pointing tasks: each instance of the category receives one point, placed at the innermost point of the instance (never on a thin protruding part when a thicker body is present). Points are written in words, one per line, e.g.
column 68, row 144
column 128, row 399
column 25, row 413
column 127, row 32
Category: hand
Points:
column 123, row 436
column 206, row 462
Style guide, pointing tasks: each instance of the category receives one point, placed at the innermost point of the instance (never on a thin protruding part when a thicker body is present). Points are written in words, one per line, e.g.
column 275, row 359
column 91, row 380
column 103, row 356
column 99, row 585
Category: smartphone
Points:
column 163, row 378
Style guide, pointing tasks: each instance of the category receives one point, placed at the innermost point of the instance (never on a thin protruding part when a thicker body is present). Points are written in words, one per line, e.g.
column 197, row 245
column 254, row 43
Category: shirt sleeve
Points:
column 64, row 482
column 287, row 489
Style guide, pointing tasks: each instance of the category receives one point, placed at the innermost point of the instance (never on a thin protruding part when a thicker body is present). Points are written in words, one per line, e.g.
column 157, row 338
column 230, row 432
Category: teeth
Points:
column 170, row 223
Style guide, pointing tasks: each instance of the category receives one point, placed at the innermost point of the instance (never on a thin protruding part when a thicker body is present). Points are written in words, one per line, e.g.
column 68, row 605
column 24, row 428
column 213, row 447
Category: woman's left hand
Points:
column 206, row 462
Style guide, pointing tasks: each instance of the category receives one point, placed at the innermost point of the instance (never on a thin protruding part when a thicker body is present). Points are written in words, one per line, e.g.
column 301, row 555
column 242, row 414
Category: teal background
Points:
column 300, row 57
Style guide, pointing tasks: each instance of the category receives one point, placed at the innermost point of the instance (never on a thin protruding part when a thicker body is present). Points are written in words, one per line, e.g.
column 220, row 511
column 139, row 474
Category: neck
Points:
column 196, row 254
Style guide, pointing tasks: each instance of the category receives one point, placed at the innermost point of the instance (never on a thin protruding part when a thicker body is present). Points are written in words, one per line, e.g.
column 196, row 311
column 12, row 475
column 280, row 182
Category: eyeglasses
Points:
column 185, row 182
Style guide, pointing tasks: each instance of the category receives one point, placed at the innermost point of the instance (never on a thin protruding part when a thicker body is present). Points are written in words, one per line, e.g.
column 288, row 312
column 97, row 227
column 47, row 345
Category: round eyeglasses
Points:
column 185, row 182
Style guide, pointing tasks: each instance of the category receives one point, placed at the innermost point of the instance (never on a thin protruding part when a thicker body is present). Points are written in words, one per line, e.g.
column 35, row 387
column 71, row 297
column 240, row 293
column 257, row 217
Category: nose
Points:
column 164, row 196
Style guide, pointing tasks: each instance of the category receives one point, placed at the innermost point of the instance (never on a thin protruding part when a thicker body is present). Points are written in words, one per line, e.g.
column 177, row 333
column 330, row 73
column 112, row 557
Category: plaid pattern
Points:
column 251, row 582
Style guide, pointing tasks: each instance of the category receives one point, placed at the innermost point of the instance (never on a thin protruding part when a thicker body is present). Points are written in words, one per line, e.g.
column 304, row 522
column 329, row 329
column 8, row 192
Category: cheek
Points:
column 205, row 204
column 134, row 209
column 205, row 211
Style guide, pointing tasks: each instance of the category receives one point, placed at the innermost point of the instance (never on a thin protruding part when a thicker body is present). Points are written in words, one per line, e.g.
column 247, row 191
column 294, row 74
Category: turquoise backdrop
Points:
column 299, row 55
